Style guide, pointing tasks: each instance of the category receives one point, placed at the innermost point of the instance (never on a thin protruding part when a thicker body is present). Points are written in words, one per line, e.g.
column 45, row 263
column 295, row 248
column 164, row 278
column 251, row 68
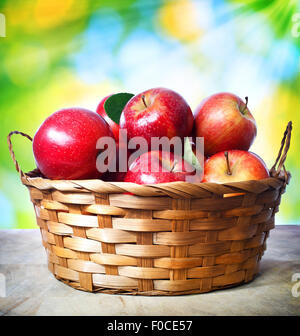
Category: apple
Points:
column 234, row 166
column 157, row 112
column 64, row 146
column 159, row 167
column 101, row 111
column 225, row 122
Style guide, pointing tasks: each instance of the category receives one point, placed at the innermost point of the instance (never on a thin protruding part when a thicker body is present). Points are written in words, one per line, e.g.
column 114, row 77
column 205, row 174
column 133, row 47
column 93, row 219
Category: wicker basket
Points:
column 165, row 239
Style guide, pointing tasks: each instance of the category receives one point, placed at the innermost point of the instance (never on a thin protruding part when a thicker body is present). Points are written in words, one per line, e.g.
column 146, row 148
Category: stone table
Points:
column 30, row 289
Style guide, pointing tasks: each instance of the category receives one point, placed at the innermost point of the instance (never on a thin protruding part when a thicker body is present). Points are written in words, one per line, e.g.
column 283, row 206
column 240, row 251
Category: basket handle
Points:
column 12, row 154
column 281, row 157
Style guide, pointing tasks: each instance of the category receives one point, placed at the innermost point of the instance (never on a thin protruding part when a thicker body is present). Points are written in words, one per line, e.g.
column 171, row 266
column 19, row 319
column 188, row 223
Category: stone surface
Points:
column 31, row 289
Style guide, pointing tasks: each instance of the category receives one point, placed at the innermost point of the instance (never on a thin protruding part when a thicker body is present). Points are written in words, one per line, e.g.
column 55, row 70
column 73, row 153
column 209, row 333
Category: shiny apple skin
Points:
column 244, row 166
column 140, row 170
column 64, row 146
column 101, row 111
column 167, row 114
column 220, row 121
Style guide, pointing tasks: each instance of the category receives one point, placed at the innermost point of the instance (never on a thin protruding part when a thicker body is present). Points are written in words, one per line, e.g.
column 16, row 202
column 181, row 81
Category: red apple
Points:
column 234, row 166
column 159, row 167
column 157, row 112
column 225, row 122
column 101, row 111
column 64, row 146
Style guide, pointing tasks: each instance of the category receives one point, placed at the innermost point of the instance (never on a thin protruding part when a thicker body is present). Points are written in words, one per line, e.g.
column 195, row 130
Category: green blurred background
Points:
column 72, row 53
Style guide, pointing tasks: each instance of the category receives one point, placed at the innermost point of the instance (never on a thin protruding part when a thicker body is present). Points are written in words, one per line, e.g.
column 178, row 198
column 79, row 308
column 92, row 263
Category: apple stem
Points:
column 246, row 98
column 144, row 101
column 228, row 165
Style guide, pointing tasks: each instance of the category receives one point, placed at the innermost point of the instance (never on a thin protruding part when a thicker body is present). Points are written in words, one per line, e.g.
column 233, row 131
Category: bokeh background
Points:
column 67, row 53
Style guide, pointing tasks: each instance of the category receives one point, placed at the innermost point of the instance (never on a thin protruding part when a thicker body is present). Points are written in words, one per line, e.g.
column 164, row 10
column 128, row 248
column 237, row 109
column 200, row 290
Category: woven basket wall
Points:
column 168, row 239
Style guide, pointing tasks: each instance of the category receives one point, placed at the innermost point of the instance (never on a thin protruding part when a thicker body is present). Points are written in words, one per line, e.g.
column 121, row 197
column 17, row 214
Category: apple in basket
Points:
column 64, row 146
column 121, row 142
column 157, row 112
column 113, row 125
column 160, row 167
column 234, row 166
column 225, row 122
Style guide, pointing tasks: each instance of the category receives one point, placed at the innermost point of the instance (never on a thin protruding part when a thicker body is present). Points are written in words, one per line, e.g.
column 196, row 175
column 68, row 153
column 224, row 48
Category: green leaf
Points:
column 189, row 155
column 115, row 104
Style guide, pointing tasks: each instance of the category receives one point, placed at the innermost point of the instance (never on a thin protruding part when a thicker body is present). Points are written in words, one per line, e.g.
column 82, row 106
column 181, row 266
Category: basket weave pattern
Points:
column 165, row 239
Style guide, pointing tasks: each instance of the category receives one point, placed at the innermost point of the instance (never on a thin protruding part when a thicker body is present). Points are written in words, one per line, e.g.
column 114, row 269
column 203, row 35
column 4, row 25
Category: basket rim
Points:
column 33, row 178
column 180, row 188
